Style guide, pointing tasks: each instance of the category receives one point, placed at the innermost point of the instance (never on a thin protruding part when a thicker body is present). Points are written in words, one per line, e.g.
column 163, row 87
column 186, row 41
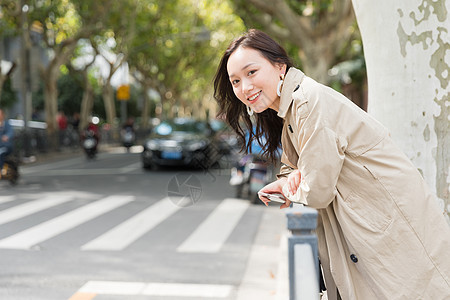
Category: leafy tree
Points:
column 7, row 29
column 7, row 95
column 319, row 30
column 61, row 24
column 178, row 54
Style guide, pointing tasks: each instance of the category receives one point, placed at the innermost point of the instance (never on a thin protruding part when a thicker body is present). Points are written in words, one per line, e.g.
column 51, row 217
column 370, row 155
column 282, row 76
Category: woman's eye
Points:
column 234, row 82
column 251, row 72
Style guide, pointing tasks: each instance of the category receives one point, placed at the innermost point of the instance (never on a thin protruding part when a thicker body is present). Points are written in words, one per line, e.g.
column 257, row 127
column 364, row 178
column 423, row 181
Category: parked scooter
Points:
column 250, row 175
column 90, row 143
column 252, row 172
column 127, row 133
column 10, row 170
column 128, row 138
column 90, row 138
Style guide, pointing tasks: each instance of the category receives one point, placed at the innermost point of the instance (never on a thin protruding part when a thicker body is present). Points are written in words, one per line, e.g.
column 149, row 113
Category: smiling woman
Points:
column 246, row 81
column 255, row 84
column 377, row 219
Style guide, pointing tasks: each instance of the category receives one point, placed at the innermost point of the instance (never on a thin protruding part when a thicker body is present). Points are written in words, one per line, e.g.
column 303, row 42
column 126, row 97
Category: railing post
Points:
column 303, row 253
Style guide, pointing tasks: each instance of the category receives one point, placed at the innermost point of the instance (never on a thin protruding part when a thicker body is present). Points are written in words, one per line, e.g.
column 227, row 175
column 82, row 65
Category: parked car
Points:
column 228, row 142
column 181, row 142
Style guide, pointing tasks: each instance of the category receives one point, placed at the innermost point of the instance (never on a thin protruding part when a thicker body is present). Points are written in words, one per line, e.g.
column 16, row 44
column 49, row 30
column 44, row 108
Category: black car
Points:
column 181, row 142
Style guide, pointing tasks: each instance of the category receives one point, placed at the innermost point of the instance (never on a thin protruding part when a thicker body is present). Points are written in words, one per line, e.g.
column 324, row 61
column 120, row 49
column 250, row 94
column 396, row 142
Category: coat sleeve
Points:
column 321, row 154
column 285, row 170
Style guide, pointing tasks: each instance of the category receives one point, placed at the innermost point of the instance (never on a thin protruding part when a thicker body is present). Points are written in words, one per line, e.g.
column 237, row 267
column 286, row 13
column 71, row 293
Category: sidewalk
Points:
column 63, row 153
column 266, row 274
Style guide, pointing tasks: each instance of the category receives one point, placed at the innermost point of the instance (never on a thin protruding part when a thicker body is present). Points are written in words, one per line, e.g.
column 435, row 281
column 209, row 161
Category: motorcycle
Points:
column 10, row 170
column 250, row 175
column 90, row 143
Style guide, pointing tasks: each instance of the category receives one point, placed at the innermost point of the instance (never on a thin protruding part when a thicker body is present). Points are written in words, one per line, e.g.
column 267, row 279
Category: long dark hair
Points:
column 268, row 124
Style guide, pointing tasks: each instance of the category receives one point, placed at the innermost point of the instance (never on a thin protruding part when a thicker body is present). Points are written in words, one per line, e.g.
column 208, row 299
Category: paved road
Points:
column 107, row 229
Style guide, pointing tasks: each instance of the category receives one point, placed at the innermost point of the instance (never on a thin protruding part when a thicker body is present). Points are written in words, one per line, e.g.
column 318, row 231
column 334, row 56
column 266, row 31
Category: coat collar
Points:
column 293, row 78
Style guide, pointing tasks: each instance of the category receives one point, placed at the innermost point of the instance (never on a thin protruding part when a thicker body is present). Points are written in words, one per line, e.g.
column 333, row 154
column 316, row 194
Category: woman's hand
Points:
column 293, row 181
column 275, row 187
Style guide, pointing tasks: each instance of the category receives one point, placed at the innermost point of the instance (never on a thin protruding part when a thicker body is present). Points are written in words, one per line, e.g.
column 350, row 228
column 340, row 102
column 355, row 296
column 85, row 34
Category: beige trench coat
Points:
column 381, row 234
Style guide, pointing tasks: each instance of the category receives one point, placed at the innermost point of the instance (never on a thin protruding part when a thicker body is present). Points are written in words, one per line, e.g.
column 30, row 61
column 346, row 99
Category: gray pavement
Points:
column 266, row 272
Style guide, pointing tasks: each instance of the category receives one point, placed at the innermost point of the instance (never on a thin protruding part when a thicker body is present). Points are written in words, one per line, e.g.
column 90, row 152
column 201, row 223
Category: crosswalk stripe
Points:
column 214, row 291
column 121, row 236
column 44, row 231
column 83, row 296
column 214, row 231
column 4, row 199
column 31, row 207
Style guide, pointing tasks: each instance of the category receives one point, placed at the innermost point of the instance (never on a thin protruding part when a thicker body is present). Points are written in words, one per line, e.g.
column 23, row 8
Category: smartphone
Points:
column 273, row 197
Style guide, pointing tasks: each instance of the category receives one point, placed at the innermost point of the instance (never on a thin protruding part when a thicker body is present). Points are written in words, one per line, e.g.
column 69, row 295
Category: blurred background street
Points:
column 107, row 227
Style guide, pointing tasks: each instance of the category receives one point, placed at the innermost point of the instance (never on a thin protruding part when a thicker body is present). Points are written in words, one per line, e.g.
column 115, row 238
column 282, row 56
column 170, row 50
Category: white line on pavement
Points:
column 157, row 289
column 44, row 231
column 44, row 167
column 86, row 172
column 32, row 207
column 214, row 231
column 4, row 199
column 121, row 236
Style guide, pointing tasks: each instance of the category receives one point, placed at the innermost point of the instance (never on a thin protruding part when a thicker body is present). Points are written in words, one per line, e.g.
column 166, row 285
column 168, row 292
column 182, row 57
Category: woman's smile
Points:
column 254, row 97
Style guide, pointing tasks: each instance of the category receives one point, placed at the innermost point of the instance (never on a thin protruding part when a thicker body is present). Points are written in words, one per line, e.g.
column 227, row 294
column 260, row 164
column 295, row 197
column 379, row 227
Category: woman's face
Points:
column 254, row 79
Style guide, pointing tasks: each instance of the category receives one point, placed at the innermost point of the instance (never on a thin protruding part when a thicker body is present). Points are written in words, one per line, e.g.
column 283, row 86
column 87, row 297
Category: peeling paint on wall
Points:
column 442, row 129
column 426, row 133
column 438, row 63
column 436, row 40
column 438, row 7
column 413, row 38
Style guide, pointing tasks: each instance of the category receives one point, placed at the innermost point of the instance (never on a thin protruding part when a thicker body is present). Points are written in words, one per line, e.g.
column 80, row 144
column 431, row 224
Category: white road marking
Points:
column 214, row 231
column 44, row 167
column 4, row 199
column 121, row 236
column 32, row 207
column 157, row 289
column 44, row 231
column 86, row 172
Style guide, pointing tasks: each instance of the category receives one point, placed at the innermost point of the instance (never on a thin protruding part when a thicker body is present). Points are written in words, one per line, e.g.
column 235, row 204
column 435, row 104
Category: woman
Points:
column 381, row 234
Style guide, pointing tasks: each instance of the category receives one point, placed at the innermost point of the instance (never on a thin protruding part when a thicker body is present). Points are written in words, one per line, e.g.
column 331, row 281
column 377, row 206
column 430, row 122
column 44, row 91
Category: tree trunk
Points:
column 51, row 98
column 318, row 57
column 405, row 45
column 108, row 98
column 87, row 102
column 2, row 81
column 50, row 76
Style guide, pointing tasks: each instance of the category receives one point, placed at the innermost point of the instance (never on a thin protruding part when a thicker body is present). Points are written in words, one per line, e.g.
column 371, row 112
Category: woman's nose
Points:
column 246, row 86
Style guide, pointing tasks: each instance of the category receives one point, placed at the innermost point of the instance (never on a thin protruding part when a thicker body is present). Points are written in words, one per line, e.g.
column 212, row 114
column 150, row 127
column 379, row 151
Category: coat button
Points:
column 353, row 258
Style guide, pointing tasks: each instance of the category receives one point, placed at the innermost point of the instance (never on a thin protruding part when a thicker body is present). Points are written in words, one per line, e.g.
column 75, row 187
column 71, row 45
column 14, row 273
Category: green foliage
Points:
column 8, row 96
column 315, row 9
column 174, row 44
column 181, row 48
column 70, row 93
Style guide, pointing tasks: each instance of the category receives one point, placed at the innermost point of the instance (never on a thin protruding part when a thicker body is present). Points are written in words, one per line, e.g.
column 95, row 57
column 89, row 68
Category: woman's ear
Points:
column 282, row 68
